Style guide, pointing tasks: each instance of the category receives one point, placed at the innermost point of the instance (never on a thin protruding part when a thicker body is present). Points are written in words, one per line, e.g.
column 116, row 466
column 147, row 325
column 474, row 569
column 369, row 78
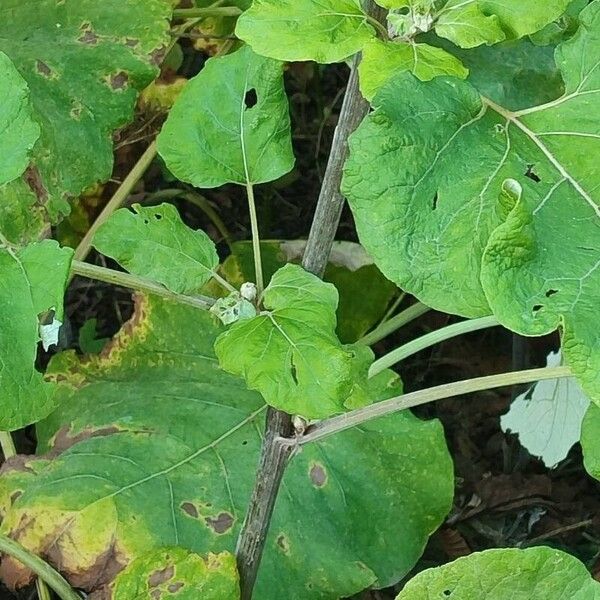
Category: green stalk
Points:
column 435, row 337
column 7, row 444
column 255, row 240
column 41, row 568
column 138, row 283
column 209, row 11
column 396, row 322
column 360, row 416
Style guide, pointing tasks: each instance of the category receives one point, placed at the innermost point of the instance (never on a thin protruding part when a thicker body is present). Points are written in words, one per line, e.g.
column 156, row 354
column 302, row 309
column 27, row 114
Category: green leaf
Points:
column 84, row 62
column 290, row 352
column 153, row 242
column 364, row 293
column 470, row 23
column 325, row 31
column 464, row 23
column 547, row 418
column 32, row 283
column 179, row 574
column 241, row 135
column 88, row 341
column 514, row 74
column 506, row 574
column 160, row 447
column 590, row 441
column 381, row 60
column 18, row 130
column 427, row 225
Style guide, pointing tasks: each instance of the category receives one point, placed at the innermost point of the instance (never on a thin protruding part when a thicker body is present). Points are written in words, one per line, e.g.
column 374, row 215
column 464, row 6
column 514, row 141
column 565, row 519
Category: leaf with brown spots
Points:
column 84, row 80
column 175, row 573
column 178, row 471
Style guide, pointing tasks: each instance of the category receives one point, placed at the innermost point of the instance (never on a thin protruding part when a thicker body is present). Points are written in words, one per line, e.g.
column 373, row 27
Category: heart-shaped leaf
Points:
column 154, row 446
column 241, row 135
column 290, row 352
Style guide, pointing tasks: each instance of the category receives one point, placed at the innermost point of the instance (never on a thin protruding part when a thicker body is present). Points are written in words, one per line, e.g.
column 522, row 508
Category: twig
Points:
column 137, row 283
column 275, row 456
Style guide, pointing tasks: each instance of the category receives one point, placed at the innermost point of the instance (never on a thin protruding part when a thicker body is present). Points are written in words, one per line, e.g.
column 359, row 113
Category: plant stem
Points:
column 386, row 407
column 41, row 568
column 430, row 339
column 209, row 11
column 255, row 240
column 396, row 322
column 137, row 283
column 381, row 29
column 7, row 444
column 117, row 200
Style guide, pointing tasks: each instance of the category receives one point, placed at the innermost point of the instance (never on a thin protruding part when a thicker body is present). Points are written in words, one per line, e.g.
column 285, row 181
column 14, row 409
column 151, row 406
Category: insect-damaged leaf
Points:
column 325, row 31
column 84, row 62
column 178, row 574
column 154, row 242
column 506, row 574
column 428, row 223
column 242, row 132
column 290, row 352
column 32, row 282
column 179, row 470
column 18, row 130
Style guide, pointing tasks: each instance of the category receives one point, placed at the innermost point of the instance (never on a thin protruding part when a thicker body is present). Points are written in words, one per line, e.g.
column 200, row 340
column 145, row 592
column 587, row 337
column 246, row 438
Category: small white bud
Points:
column 248, row 291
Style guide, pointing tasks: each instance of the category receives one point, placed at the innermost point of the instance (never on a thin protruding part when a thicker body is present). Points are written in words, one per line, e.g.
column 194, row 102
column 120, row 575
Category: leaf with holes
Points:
column 325, row 31
column 18, row 130
column 590, row 434
column 364, row 293
column 506, row 574
column 33, row 283
column 241, row 135
column 154, row 242
column 179, row 574
column 290, row 352
column 154, row 446
column 381, row 60
column 427, row 225
column 84, row 62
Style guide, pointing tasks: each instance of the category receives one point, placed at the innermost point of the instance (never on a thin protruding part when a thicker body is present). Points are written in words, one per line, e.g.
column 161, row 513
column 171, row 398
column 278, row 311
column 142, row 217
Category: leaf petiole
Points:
column 209, row 11
column 394, row 323
column 255, row 240
column 430, row 339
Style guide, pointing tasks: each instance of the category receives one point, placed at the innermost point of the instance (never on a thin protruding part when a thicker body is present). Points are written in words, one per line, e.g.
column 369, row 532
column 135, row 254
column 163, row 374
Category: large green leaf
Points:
column 425, row 181
column 84, row 62
column 241, row 134
column 470, row 23
column 154, row 242
column 290, row 352
column 364, row 293
column 325, row 31
column 163, row 450
column 178, row 574
column 506, row 574
column 32, row 283
column 381, row 60
column 18, row 130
